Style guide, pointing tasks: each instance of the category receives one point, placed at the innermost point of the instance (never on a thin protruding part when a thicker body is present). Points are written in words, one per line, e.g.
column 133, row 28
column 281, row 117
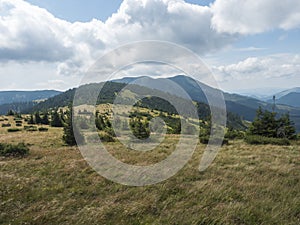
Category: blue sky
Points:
column 84, row 11
column 53, row 44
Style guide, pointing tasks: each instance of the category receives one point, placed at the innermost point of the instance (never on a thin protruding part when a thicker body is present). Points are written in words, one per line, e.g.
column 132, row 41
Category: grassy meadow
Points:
column 54, row 185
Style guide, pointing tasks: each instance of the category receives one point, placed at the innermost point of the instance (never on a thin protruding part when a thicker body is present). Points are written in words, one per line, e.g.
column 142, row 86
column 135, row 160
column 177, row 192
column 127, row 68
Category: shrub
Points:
column 18, row 124
column 234, row 134
column 6, row 125
column 30, row 128
column 260, row 140
column 13, row 150
column 13, row 130
column 43, row 129
column 106, row 137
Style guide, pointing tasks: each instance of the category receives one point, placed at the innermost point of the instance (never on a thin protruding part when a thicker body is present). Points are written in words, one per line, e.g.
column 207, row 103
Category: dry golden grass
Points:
column 54, row 185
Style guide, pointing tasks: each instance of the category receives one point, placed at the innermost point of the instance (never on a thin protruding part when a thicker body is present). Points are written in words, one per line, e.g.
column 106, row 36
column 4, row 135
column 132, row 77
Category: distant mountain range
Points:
column 20, row 100
column 289, row 97
column 7, row 97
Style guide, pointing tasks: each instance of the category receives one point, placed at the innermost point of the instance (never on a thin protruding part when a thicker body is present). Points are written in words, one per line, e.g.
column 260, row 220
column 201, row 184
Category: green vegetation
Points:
column 140, row 129
column 261, row 140
column 266, row 124
column 56, row 120
column 9, row 150
column 268, row 129
column 30, row 128
column 54, row 185
column 6, row 125
column 71, row 130
column 43, row 129
column 13, row 130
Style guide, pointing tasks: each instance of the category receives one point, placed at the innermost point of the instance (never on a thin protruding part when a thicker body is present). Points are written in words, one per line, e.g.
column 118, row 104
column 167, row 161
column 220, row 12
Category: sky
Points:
column 250, row 46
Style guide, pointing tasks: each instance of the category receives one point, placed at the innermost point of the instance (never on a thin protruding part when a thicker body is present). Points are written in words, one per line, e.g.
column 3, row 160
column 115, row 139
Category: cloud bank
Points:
column 32, row 34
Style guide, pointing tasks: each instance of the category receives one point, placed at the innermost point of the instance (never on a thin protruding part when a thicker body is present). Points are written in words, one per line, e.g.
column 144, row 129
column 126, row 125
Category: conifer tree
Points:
column 31, row 120
column 286, row 126
column 38, row 119
column 56, row 120
column 140, row 129
column 71, row 130
column 266, row 124
column 45, row 119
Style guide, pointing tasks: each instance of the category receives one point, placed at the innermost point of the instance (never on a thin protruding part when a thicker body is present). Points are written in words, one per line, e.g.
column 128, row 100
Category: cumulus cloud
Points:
column 258, row 68
column 32, row 34
column 251, row 17
column 168, row 20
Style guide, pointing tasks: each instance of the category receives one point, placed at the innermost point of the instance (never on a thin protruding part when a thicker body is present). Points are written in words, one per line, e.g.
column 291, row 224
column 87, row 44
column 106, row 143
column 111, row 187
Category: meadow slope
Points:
column 54, row 185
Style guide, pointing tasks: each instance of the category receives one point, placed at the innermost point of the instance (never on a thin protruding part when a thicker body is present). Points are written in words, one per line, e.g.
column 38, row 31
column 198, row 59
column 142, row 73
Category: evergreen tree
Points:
column 286, row 127
column 56, row 120
column 266, row 124
column 256, row 127
column 38, row 119
column 140, row 129
column 270, row 124
column 45, row 119
column 71, row 130
column 100, row 124
column 10, row 113
column 31, row 120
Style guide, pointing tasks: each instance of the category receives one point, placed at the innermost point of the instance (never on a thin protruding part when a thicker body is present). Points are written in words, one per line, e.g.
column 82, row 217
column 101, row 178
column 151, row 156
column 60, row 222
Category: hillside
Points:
column 242, row 105
column 291, row 99
column 108, row 94
column 7, row 97
column 16, row 107
column 286, row 92
column 55, row 185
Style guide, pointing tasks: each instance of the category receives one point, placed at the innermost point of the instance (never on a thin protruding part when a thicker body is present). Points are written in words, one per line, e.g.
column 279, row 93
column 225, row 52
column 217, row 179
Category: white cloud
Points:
column 32, row 34
column 251, row 17
column 258, row 68
column 29, row 33
column 168, row 20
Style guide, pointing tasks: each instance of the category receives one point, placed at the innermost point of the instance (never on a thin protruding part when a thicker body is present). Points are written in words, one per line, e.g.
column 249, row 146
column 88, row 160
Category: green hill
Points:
column 109, row 92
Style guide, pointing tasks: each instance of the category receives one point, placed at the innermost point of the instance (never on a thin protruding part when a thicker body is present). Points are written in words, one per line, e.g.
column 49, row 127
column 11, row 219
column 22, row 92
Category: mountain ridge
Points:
column 8, row 97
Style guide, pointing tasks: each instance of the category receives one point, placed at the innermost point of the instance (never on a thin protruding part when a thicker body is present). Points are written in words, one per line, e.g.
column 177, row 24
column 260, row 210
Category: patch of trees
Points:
column 268, row 124
column 39, row 118
column 268, row 128
column 140, row 128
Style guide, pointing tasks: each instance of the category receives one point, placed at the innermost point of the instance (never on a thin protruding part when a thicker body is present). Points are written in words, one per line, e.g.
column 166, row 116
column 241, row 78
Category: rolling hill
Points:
column 288, row 97
column 291, row 99
column 238, row 104
column 108, row 94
